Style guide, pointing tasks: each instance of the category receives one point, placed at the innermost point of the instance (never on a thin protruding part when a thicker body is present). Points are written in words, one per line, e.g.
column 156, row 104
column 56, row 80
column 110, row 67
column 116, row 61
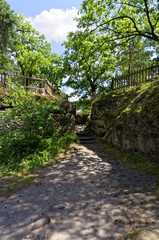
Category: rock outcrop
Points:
column 81, row 118
column 130, row 119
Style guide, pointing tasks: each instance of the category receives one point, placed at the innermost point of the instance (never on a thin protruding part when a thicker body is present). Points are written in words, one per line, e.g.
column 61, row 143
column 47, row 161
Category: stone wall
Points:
column 130, row 120
column 65, row 123
column 81, row 118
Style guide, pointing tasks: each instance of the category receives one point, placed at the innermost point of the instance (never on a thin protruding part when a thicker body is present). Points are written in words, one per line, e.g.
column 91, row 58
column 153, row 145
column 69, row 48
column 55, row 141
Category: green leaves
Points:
column 8, row 23
column 32, row 52
column 112, row 37
column 35, row 115
column 34, row 55
column 121, row 18
column 87, row 61
column 34, row 140
column 22, row 48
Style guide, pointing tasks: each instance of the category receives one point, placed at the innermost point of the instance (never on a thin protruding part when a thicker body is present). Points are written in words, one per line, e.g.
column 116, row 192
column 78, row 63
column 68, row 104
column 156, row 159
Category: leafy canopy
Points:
column 122, row 19
column 87, row 75
column 34, row 56
column 112, row 36
column 8, row 22
column 24, row 49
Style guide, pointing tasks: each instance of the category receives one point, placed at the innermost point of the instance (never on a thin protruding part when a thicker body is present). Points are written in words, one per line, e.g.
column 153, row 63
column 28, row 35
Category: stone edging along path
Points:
column 87, row 196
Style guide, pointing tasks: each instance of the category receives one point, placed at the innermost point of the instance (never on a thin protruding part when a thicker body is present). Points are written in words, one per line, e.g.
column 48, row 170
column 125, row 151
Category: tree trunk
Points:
column 93, row 91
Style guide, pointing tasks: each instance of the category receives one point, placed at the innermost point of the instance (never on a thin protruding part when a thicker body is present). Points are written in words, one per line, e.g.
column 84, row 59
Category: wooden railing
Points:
column 135, row 78
column 30, row 84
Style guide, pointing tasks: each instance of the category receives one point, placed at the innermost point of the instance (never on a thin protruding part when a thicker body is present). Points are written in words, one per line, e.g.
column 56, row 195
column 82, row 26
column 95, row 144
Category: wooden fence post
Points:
column 46, row 86
column 136, row 77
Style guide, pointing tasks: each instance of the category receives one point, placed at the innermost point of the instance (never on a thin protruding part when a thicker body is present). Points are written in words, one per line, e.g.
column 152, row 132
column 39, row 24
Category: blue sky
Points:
column 53, row 18
column 34, row 7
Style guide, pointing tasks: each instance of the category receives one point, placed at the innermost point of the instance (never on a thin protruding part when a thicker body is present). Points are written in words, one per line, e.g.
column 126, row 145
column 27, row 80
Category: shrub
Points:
column 36, row 140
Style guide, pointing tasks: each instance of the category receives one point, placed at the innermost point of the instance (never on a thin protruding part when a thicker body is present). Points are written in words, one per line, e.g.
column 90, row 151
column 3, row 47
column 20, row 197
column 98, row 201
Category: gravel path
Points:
column 85, row 197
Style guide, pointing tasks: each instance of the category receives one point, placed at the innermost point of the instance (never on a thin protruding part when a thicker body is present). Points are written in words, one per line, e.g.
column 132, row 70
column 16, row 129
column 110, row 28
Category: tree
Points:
column 32, row 50
column 55, row 73
column 121, row 19
column 133, row 55
column 88, row 76
column 90, row 63
column 8, row 23
column 34, row 56
column 23, row 48
column 112, row 36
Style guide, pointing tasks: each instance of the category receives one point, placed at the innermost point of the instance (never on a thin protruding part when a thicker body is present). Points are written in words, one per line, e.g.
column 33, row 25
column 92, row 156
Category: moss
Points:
column 142, row 100
column 14, row 182
column 96, row 100
column 133, row 234
column 133, row 114
column 145, row 100
column 132, row 160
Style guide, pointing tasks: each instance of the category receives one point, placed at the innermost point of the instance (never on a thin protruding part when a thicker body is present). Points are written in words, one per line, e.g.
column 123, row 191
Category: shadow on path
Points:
column 87, row 197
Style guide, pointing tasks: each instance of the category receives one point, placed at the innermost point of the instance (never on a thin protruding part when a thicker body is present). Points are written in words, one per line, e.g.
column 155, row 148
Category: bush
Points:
column 36, row 140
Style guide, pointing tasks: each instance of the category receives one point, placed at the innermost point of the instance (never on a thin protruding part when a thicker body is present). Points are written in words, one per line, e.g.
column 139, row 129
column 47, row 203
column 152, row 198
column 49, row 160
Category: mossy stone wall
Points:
column 130, row 119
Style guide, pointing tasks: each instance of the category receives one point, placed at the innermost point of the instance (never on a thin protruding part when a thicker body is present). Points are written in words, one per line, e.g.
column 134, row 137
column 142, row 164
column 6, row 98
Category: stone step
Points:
column 87, row 137
column 86, row 132
column 87, row 141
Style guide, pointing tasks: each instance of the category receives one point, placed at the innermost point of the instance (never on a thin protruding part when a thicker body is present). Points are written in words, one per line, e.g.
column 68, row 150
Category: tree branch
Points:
column 116, row 18
column 148, row 17
column 151, row 35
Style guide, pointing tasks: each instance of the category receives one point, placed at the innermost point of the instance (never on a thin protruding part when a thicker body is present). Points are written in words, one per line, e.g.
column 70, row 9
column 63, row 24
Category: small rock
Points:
column 144, row 234
column 30, row 236
column 152, row 234
column 120, row 220
column 61, row 207
column 40, row 223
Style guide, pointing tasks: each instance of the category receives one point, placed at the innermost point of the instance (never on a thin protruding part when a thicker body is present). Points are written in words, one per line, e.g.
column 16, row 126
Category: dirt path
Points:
column 85, row 197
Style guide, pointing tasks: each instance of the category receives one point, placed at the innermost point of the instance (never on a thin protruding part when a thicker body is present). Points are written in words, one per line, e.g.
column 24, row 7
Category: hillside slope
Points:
column 130, row 119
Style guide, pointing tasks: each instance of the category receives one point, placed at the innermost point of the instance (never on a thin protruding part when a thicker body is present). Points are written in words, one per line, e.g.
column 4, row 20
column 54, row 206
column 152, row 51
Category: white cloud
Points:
column 73, row 99
column 69, row 90
column 55, row 23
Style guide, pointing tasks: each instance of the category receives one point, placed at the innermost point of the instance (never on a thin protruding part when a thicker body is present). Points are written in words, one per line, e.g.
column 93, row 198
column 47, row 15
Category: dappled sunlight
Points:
column 86, row 196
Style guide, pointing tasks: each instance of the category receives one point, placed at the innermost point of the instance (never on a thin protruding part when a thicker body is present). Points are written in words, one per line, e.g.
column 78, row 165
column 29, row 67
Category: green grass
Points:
column 132, row 234
column 140, row 163
column 13, row 177
column 33, row 144
column 133, row 161
column 19, row 162
column 136, row 162
column 13, row 182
